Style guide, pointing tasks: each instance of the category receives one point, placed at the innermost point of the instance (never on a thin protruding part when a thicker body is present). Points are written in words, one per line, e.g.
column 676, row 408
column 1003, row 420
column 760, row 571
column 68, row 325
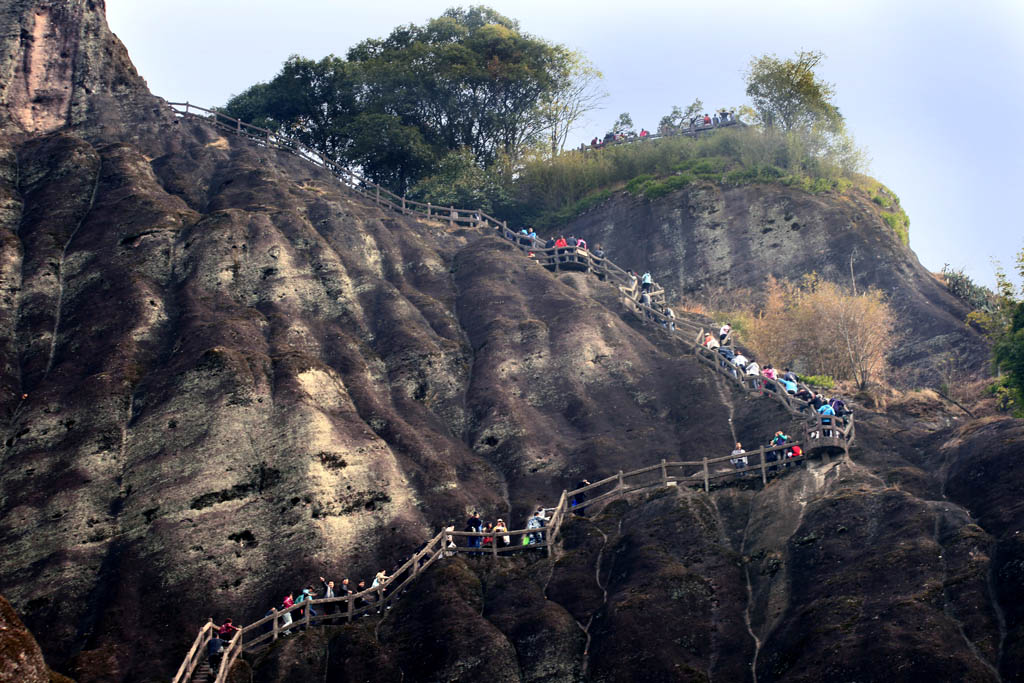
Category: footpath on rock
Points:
column 822, row 435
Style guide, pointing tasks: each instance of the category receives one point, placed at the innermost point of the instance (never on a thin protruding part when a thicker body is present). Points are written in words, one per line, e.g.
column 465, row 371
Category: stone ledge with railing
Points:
column 821, row 433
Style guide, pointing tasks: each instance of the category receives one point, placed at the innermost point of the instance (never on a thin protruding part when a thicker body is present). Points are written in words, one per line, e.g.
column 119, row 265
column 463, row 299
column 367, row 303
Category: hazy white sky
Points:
column 933, row 89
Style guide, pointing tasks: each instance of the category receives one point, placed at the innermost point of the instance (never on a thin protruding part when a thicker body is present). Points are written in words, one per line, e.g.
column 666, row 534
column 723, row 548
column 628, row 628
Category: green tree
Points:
column 469, row 78
column 1003, row 324
column 787, row 95
column 313, row 101
column 578, row 92
column 623, row 125
column 678, row 118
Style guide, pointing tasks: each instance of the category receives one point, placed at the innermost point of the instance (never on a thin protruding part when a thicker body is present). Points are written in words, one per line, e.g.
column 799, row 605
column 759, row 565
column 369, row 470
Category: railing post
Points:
column 707, row 483
column 764, row 473
column 277, row 627
column 428, row 209
column 377, row 187
column 403, row 205
column 621, row 484
column 309, row 610
column 186, row 107
column 664, row 472
column 451, row 216
column 348, row 610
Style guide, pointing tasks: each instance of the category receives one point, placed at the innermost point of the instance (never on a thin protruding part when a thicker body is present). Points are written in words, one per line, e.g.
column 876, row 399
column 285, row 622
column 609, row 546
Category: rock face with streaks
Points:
column 222, row 376
column 708, row 239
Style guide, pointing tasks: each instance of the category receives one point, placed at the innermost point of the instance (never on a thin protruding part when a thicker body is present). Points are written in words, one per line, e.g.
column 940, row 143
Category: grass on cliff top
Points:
column 553, row 191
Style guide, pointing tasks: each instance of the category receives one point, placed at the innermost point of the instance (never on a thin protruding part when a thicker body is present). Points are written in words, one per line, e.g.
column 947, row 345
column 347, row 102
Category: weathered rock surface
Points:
column 21, row 660
column 705, row 240
column 222, row 377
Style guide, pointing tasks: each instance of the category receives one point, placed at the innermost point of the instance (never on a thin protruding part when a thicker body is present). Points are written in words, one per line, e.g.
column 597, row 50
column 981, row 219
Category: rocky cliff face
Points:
column 706, row 239
column 222, row 376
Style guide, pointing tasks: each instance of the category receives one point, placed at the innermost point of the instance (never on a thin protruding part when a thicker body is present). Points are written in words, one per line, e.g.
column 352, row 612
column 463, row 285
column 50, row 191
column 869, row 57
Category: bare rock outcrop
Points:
column 707, row 239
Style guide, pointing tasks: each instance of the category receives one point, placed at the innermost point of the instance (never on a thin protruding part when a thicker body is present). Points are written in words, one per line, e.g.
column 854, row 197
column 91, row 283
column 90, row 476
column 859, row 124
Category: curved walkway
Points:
column 821, row 434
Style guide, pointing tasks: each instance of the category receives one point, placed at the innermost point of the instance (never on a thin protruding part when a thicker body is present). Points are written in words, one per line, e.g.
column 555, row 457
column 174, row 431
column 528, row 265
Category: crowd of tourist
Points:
column 495, row 534
column 786, row 380
column 695, row 125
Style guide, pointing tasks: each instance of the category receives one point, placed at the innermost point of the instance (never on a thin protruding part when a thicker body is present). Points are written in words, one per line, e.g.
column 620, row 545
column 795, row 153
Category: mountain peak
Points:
column 61, row 64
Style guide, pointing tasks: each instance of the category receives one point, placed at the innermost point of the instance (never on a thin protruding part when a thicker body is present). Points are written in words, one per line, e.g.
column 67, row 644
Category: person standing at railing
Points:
column 330, row 608
column 723, row 332
column 562, row 245
column 474, row 524
column 597, row 251
column 579, row 498
column 581, row 244
column 501, row 536
column 670, row 319
column 739, row 460
column 227, row 630
column 710, row 341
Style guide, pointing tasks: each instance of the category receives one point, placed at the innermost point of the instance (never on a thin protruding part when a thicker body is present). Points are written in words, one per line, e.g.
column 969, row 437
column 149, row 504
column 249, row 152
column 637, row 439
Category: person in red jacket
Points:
column 227, row 630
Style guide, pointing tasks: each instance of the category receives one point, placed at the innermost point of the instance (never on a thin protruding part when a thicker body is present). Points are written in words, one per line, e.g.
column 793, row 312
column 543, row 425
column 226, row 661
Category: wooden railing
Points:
column 354, row 181
column 196, row 654
column 820, row 432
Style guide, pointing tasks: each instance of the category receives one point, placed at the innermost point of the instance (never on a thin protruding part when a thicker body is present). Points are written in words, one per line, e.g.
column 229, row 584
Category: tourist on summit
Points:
column 379, row 578
column 740, row 461
column 723, row 332
column 804, row 395
column 790, row 387
column 714, row 120
column 550, row 243
column 740, row 361
column 753, row 369
column 789, row 376
column 826, row 409
column 329, row 608
column 707, row 120
column 581, row 244
column 670, row 321
column 644, row 133
column 817, row 402
column 646, row 281
column 710, row 341
column 572, row 241
column 597, row 251
column 769, row 372
column 489, row 538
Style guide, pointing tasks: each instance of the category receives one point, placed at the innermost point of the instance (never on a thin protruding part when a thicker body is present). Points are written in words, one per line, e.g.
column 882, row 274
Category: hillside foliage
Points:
column 818, row 328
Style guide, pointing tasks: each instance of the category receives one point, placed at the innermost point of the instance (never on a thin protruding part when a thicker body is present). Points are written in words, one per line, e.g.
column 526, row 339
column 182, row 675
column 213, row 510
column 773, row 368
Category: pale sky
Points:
column 933, row 89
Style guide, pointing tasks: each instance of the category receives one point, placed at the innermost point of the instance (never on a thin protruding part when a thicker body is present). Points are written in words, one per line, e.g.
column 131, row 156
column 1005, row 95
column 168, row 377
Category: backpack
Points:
column 727, row 352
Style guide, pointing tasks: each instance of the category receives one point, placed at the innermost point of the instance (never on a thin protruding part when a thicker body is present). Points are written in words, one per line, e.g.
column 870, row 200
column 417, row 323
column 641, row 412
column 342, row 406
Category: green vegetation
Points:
column 1001, row 320
column 468, row 110
column 787, row 95
column 819, row 381
column 397, row 106
column 960, row 285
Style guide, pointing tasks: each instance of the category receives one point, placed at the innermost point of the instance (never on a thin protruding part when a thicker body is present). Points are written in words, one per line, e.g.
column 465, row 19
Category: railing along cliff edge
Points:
column 820, row 432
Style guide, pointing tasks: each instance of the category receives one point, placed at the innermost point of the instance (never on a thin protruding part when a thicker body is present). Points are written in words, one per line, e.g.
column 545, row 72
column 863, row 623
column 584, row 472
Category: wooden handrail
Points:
column 628, row 285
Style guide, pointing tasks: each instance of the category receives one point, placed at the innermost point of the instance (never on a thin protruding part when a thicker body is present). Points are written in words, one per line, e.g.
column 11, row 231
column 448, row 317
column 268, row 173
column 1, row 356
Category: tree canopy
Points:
column 788, row 95
column 396, row 106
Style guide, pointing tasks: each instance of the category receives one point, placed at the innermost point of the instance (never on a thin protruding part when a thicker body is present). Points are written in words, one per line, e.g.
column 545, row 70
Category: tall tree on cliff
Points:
column 788, row 96
column 469, row 79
